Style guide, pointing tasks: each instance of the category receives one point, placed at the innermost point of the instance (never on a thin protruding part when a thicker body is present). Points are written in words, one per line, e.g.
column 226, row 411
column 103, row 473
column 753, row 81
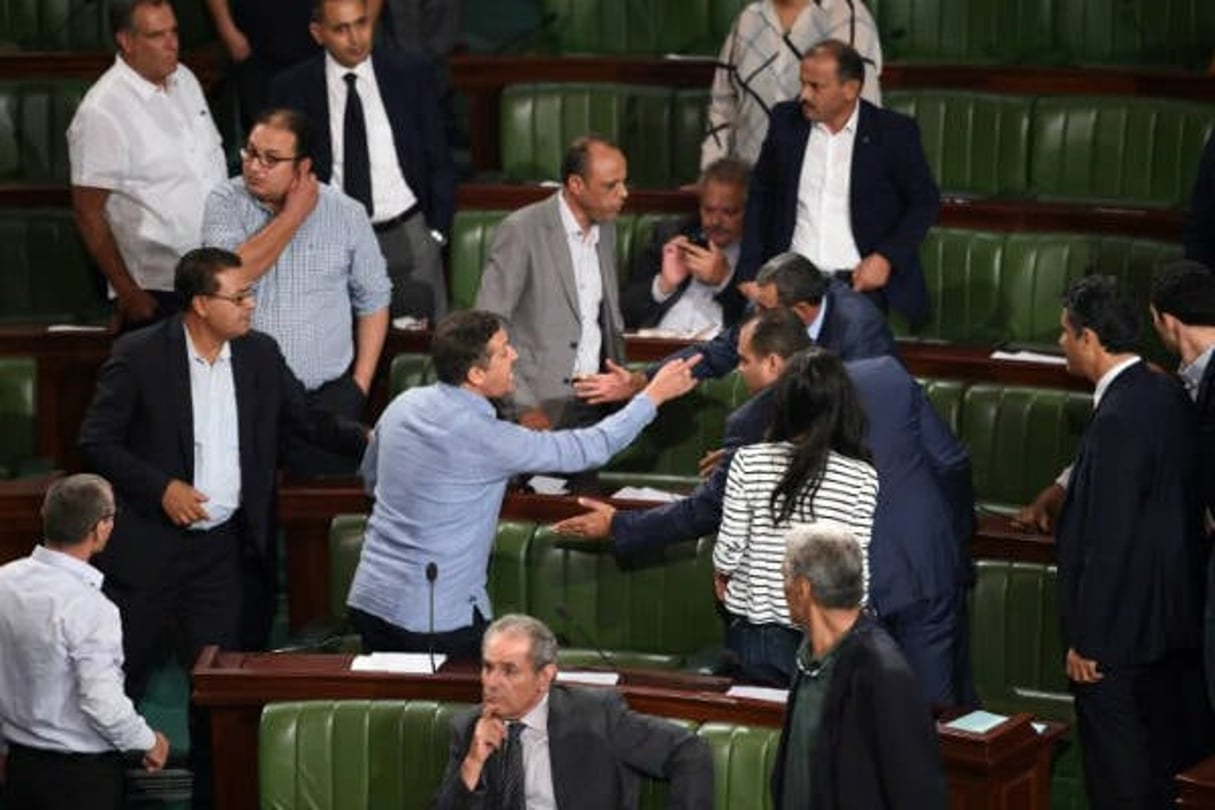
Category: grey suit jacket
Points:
column 598, row 750
column 529, row 281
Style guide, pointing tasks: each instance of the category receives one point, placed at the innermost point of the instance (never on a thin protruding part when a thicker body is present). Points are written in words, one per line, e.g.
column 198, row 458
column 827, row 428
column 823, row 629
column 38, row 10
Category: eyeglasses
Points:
column 266, row 161
column 239, row 298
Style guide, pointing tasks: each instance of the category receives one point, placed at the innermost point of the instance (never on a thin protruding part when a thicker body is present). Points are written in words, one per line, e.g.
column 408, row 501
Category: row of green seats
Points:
column 84, row 25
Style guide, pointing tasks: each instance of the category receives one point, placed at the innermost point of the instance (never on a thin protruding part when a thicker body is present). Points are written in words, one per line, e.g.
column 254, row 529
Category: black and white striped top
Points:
column 750, row 549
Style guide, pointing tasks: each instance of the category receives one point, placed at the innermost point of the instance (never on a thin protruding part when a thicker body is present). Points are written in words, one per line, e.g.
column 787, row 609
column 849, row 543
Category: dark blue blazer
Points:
column 1199, row 233
column 893, row 197
column 1129, row 537
column 853, row 328
column 407, row 89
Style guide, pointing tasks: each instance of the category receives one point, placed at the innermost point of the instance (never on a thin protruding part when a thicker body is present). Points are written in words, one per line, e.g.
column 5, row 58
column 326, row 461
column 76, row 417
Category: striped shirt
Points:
column 751, row 547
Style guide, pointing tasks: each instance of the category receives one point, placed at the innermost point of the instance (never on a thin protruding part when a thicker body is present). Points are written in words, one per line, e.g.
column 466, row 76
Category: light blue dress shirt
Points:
column 438, row 467
column 216, row 434
column 61, row 680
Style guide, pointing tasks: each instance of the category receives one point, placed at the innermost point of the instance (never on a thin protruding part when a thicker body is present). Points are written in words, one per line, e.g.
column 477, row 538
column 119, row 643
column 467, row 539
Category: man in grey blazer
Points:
column 535, row 743
column 551, row 274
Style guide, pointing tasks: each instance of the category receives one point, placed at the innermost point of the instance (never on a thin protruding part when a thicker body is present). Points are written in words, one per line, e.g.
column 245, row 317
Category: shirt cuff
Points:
column 656, row 293
column 1065, row 477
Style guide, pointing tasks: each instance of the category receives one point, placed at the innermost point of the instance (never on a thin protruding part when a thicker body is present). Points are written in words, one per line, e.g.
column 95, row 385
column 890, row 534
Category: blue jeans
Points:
column 766, row 652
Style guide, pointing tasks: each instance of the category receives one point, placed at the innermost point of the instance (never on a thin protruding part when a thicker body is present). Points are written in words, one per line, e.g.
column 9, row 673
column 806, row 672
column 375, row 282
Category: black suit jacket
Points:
column 407, row 89
column 598, row 748
column 893, row 198
column 139, row 433
column 1205, row 404
column 1199, row 233
column 637, row 302
column 1129, row 539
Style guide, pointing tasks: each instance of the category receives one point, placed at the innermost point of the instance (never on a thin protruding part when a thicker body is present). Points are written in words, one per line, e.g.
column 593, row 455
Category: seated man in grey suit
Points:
column 551, row 274
column 533, row 743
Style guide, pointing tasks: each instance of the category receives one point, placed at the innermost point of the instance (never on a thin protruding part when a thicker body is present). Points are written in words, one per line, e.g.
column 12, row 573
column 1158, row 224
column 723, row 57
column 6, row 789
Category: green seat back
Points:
column 1132, row 151
column 18, row 399
column 34, row 115
column 946, row 398
column 633, row 233
column 1019, row 438
column 639, row 27
column 1035, row 271
column 509, row 588
column 1136, row 32
column 960, row 31
column 472, row 234
column 962, row 269
column 48, row 275
column 409, row 370
column 976, row 143
column 83, row 25
column 345, row 546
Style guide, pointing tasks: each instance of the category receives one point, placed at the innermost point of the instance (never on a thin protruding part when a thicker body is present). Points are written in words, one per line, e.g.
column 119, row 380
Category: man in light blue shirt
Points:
column 63, row 714
column 438, row 467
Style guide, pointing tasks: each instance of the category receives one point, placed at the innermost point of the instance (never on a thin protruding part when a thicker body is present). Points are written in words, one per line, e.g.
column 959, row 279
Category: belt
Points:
column 399, row 219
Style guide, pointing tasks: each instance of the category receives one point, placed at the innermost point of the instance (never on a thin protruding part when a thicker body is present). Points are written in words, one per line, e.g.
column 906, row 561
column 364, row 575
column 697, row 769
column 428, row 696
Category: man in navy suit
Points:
column 1130, row 551
column 845, row 184
column 377, row 133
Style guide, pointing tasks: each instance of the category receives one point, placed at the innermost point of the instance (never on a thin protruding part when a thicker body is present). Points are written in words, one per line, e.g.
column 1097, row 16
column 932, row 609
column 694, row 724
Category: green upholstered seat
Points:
column 34, row 115
column 82, row 25
column 472, row 233
column 1135, row 32
column 976, row 143
column 48, row 276
column 367, row 755
column 1019, row 439
column 1128, row 151
column 409, row 370
column 639, row 27
column 946, row 398
column 18, row 400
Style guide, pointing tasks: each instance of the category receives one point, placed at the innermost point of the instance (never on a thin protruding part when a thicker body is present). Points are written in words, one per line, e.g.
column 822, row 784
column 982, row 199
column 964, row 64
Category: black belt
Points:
column 399, row 219
column 77, row 756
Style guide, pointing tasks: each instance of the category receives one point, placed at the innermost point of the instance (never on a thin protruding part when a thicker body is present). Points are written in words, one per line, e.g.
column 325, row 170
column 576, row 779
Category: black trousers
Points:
column 463, row 644
column 52, row 780
column 307, row 461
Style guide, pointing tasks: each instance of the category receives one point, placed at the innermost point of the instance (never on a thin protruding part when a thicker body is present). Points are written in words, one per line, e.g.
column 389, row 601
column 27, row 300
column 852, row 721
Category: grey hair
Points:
column 541, row 641
column 830, row 559
column 73, row 507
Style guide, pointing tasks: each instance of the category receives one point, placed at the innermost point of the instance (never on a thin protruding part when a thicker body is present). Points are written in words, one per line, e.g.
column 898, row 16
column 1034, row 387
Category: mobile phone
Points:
column 700, row 239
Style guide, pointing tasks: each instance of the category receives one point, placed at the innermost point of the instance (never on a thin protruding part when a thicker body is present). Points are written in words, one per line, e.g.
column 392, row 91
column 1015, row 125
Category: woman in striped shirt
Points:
column 815, row 466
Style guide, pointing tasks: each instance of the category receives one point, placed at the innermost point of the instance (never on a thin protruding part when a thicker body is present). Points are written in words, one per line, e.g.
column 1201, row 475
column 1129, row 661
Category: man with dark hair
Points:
column 683, row 281
column 63, row 714
column 857, row 732
column 534, row 743
column 551, row 274
column 144, row 153
column 845, row 184
column 1129, row 544
column 311, row 255
column 378, row 135
column 438, row 468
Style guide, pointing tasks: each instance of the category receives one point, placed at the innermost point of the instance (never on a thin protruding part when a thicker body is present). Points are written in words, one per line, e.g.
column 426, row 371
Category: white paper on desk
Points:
column 400, row 663
column 588, row 677
column 647, row 494
column 1030, row 357
column 1039, row 727
column 977, row 722
column 764, row 693
column 75, row 327
column 548, row 485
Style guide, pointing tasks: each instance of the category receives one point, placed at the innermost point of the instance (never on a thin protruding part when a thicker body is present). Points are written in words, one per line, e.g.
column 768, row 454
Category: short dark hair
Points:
column 779, row 332
column 122, row 13
column 195, row 273
column 730, row 170
column 849, row 65
column 459, row 343
column 73, row 507
column 291, row 120
column 796, row 278
column 577, row 156
column 1095, row 302
column 1186, row 290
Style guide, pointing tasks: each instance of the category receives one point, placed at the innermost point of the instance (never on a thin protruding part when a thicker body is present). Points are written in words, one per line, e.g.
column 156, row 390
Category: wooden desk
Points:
column 1007, row 768
column 1196, row 786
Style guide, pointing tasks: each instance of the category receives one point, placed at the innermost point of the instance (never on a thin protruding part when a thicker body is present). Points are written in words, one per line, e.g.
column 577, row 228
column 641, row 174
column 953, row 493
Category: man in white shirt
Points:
column 63, row 714
column 144, row 153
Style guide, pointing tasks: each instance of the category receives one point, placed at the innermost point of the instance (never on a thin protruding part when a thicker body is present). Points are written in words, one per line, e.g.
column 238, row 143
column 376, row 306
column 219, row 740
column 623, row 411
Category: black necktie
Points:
column 512, row 769
column 356, row 168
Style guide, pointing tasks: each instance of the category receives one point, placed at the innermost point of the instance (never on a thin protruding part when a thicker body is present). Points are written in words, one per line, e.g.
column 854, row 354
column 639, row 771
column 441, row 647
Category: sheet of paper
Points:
column 647, row 494
column 978, row 722
column 548, row 485
column 1030, row 357
column 400, row 663
column 588, row 677
column 74, row 327
column 764, row 693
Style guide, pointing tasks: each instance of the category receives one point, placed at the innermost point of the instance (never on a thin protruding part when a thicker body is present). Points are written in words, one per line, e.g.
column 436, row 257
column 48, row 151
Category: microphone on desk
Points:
column 565, row 613
column 432, row 573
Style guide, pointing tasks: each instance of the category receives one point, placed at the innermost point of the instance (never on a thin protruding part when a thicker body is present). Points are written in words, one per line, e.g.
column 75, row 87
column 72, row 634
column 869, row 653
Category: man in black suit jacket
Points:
column 393, row 157
column 1199, row 233
column 574, row 746
column 193, row 548
column 1130, row 551
column 892, row 198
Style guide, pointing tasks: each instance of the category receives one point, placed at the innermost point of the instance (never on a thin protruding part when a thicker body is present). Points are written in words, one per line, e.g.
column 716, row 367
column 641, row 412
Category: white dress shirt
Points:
column 588, row 278
column 216, row 434
column 61, row 679
column 537, row 765
column 390, row 194
column 823, row 229
column 159, row 154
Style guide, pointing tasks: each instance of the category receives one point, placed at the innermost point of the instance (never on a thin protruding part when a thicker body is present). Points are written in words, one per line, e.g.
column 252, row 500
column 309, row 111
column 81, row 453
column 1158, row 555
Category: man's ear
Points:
column 315, row 30
column 547, row 674
column 123, row 38
column 304, row 167
column 475, row 376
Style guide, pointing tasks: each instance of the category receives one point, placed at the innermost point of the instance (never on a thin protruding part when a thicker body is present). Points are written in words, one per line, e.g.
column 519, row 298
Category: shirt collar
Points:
column 1103, row 384
column 65, row 562
column 1191, row 373
column 336, row 72
column 142, row 87
column 816, row 326
column 225, row 351
column 849, row 128
column 472, row 400
column 570, row 224
column 537, row 718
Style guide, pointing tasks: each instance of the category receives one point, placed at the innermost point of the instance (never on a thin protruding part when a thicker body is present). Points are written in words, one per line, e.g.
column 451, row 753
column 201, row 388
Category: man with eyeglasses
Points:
column 64, row 720
column 144, row 153
column 311, row 255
